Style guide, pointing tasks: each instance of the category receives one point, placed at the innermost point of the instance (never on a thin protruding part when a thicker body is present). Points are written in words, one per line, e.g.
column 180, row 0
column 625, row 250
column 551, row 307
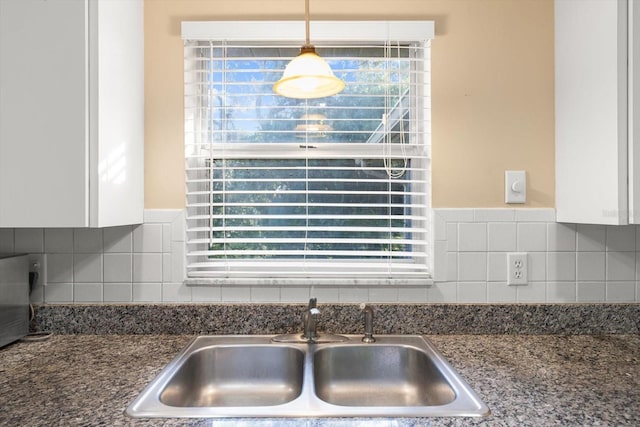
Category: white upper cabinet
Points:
column 71, row 113
column 595, row 115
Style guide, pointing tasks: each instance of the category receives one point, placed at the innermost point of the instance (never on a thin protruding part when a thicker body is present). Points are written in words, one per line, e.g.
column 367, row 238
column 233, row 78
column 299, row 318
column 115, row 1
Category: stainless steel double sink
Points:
column 251, row 376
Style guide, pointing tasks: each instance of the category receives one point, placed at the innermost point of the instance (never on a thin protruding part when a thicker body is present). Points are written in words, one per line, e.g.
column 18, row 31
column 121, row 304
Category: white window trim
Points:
column 320, row 32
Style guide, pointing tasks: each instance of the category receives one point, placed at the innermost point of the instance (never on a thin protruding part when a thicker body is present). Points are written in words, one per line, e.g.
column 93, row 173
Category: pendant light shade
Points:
column 308, row 76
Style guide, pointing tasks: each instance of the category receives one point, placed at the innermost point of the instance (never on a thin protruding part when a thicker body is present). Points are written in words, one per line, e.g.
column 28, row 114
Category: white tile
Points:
column 160, row 215
column 621, row 291
column 383, row 294
column 356, row 295
column 537, row 266
column 621, row 238
column 455, row 215
column 469, row 292
column 118, row 239
column 561, row 292
column 166, row 267
column 87, row 268
column 206, row 293
column 166, row 237
column 58, row 240
column 497, row 271
column 443, row 292
column 536, row 215
column 87, row 292
column 147, row 238
column 87, row 240
column 6, row 240
column 29, row 240
column 591, row 237
column 59, row 268
column 265, row 294
column 412, row 294
column 58, row 293
column 117, row 292
column 452, row 267
column 324, row 294
column 301, row 294
column 118, row 268
column 177, row 228
column 500, row 292
column 591, row 266
column 472, row 237
column 532, row 237
column 621, row 266
column 472, row 266
column 561, row 266
column 502, row 237
column 494, row 215
column 235, row 293
column 440, row 261
column 147, row 292
column 147, row 267
column 178, row 271
column 452, row 236
column 532, row 292
column 439, row 227
column 176, row 292
column 561, row 237
column 591, row 292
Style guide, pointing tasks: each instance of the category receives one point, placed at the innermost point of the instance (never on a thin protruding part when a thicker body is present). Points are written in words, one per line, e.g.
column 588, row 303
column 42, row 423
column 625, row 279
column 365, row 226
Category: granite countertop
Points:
column 526, row 380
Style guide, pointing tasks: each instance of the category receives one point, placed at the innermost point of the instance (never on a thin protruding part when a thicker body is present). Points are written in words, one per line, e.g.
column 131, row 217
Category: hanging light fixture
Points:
column 308, row 75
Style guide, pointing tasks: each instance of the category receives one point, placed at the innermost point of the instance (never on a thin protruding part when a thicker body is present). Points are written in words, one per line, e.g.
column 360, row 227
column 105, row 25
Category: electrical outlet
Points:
column 517, row 268
column 38, row 264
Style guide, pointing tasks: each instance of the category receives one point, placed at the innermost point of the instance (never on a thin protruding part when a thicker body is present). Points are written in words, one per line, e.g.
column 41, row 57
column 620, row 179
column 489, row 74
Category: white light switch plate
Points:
column 515, row 187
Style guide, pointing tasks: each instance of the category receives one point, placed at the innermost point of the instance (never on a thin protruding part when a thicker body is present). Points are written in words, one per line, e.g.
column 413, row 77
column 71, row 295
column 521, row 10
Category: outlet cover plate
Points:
column 517, row 268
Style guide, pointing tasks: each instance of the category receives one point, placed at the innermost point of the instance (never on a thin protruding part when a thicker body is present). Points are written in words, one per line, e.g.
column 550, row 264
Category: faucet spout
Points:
column 368, row 323
column 310, row 321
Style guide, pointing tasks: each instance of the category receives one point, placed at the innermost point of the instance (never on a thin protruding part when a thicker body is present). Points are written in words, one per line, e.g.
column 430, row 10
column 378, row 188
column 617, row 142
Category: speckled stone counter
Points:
column 527, row 380
column 227, row 318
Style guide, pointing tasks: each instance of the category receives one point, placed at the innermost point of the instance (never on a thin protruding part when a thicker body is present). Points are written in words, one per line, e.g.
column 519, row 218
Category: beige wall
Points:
column 492, row 90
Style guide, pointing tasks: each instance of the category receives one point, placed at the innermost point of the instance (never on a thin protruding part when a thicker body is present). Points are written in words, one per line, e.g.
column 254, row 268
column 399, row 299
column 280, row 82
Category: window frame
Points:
column 321, row 32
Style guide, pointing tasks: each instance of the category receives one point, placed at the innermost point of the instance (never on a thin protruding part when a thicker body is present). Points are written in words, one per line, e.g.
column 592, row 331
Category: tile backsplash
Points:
column 145, row 263
column 566, row 262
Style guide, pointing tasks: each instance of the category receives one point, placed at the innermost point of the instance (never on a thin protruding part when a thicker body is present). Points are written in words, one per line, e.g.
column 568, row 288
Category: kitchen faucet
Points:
column 310, row 334
column 368, row 323
column 310, row 320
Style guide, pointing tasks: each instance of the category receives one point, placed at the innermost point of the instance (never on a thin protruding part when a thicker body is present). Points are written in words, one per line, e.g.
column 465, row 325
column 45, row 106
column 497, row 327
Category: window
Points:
column 335, row 188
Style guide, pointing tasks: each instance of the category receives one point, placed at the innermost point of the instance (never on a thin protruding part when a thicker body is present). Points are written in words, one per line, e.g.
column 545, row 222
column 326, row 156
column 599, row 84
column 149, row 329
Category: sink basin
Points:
column 384, row 375
column 247, row 375
column 251, row 376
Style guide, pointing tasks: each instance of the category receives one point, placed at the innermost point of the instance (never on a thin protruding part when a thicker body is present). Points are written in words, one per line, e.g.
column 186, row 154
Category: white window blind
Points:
column 333, row 188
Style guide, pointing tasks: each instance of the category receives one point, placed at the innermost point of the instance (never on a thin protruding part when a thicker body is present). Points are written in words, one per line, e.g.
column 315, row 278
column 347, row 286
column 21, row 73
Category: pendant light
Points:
column 308, row 75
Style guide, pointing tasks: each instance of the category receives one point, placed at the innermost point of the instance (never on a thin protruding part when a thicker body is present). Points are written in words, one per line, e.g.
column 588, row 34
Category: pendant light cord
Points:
column 306, row 23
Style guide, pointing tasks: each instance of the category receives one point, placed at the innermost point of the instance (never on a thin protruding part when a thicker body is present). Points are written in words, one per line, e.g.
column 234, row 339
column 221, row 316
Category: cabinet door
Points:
column 634, row 112
column 43, row 100
column 591, row 111
column 116, row 97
